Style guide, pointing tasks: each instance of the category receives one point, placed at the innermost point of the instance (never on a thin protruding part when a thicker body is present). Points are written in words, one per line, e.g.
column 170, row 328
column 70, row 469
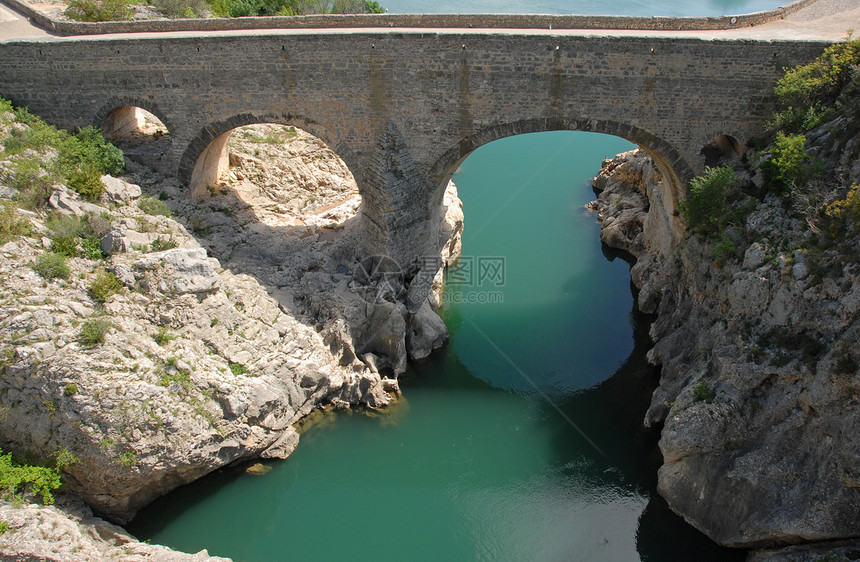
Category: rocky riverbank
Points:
column 758, row 397
column 211, row 338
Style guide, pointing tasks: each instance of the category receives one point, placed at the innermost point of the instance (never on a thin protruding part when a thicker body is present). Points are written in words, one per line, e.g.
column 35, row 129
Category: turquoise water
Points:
column 521, row 440
column 627, row 8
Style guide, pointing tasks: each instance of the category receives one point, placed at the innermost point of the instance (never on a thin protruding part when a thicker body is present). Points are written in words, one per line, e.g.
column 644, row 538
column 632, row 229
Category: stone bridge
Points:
column 403, row 107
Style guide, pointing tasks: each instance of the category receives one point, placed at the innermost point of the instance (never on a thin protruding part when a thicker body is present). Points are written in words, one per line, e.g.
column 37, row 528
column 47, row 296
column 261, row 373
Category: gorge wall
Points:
column 758, row 392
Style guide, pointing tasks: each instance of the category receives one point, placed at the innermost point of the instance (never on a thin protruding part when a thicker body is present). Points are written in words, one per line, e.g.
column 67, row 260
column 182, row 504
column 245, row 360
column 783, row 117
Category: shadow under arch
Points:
column 668, row 160
column 114, row 104
column 206, row 155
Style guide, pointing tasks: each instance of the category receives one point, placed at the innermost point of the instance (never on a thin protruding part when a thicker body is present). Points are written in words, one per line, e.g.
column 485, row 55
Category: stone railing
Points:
column 457, row 21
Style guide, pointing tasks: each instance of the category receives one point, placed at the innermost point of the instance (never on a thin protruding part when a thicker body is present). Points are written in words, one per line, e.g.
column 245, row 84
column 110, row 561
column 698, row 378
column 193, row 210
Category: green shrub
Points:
column 706, row 206
column 17, row 478
column 153, row 206
column 160, row 244
column 238, row 369
column 703, row 392
column 51, row 266
column 65, row 245
column 93, row 332
column 104, row 286
column 845, row 213
column 87, row 181
column 99, row 10
column 63, row 225
column 70, row 389
column 807, row 93
column 181, row 8
column 38, row 135
column 724, row 249
column 11, row 225
column 64, row 458
column 373, row 7
column 128, row 459
column 34, row 184
column 163, row 336
column 92, row 248
column 789, row 164
column 89, row 146
column 241, row 8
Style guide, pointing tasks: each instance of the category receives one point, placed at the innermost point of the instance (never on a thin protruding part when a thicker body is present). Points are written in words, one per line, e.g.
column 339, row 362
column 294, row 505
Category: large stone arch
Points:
column 668, row 160
column 205, row 156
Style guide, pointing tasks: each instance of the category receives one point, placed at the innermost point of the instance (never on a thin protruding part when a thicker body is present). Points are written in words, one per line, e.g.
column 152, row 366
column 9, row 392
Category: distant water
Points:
column 592, row 7
column 522, row 440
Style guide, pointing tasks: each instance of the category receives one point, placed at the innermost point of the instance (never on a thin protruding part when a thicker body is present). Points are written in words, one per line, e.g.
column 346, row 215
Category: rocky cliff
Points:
column 758, row 397
column 200, row 339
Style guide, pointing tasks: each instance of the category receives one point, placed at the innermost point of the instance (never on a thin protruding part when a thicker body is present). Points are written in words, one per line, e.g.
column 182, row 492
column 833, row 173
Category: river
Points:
column 521, row 440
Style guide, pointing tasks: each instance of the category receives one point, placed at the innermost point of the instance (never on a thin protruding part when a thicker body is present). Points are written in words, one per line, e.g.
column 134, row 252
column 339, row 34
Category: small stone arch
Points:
column 722, row 148
column 668, row 160
column 206, row 156
column 121, row 116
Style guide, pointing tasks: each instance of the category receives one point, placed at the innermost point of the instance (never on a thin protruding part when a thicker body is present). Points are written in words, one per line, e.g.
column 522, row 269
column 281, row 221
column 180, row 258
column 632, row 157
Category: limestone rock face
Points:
column 229, row 323
column 759, row 382
column 70, row 531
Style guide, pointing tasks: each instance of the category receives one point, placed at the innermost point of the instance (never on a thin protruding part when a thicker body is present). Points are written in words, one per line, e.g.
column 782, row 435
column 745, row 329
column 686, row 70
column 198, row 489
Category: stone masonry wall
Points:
column 404, row 107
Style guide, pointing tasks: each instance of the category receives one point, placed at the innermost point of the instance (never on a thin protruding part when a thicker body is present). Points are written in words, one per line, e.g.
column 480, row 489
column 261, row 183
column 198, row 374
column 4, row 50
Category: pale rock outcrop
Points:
column 249, row 319
column 69, row 531
column 757, row 395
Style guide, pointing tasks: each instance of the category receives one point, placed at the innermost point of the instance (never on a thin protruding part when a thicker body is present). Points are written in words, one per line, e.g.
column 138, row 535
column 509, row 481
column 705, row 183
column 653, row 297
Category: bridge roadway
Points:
column 404, row 106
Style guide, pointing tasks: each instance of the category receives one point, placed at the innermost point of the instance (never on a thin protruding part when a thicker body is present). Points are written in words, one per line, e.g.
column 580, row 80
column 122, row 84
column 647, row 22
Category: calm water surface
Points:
column 520, row 441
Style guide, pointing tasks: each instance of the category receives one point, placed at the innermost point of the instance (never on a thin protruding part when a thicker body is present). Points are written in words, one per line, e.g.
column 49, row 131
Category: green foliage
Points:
column 724, row 249
column 64, row 458
column 789, row 164
column 11, row 225
column 706, row 206
column 34, row 184
column 153, row 206
column 51, row 266
column 703, row 392
column 242, row 8
column 163, row 336
column 4, row 527
column 104, row 286
column 181, row 8
column 844, row 214
column 87, row 181
column 65, row 245
column 93, row 332
column 37, row 136
column 88, row 147
column 91, row 248
column 17, row 478
column 160, row 244
column 99, row 10
column 70, row 389
column 806, row 93
column 373, row 7
column 238, row 369
column 128, row 459
column 80, row 160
